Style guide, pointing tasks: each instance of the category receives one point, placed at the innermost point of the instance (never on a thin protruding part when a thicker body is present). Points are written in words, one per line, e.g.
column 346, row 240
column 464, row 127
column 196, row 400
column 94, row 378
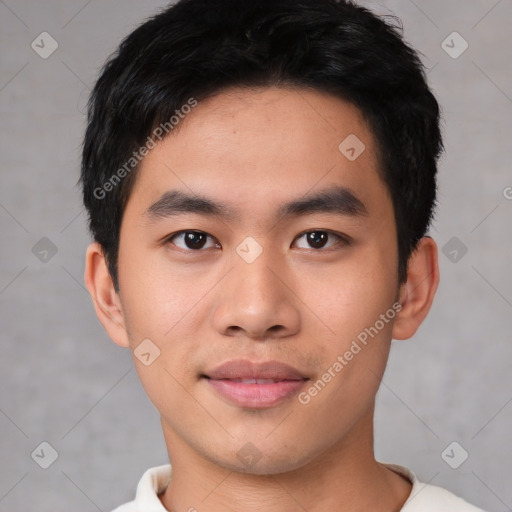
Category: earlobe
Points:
column 104, row 296
column 417, row 293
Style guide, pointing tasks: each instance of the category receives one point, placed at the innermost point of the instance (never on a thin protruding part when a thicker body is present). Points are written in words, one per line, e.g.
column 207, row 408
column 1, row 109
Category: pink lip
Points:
column 256, row 396
column 225, row 380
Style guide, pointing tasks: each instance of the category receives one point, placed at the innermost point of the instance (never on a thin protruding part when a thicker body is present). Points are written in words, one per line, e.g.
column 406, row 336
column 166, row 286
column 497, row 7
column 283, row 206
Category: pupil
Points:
column 194, row 240
column 317, row 238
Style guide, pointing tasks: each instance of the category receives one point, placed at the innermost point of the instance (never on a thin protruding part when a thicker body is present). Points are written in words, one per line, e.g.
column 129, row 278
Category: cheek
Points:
column 162, row 307
column 357, row 307
column 156, row 295
column 350, row 295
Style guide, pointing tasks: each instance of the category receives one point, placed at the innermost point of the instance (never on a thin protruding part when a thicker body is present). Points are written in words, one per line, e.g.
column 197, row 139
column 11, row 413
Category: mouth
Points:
column 256, row 381
column 255, row 385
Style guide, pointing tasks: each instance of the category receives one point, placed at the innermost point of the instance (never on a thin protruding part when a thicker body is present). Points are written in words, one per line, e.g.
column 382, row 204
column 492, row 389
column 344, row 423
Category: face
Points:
column 258, row 271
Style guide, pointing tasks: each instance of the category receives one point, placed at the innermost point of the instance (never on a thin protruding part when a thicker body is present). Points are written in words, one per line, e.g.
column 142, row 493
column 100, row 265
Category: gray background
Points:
column 64, row 382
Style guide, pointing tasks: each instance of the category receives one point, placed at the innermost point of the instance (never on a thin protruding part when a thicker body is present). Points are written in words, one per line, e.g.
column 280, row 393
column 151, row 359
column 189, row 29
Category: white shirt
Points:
column 423, row 497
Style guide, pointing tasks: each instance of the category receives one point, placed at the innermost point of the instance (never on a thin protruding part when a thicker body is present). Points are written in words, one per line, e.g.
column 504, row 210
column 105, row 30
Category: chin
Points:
column 250, row 459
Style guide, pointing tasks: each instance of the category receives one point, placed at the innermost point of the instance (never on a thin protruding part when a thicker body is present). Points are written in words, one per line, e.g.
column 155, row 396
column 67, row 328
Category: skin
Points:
column 254, row 149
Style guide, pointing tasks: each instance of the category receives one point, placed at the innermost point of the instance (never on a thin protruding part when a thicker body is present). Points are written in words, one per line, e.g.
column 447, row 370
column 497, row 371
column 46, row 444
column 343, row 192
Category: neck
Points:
column 346, row 477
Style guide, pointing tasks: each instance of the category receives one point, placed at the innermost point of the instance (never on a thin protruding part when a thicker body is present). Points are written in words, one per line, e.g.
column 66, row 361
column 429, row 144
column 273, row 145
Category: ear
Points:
column 417, row 293
column 105, row 298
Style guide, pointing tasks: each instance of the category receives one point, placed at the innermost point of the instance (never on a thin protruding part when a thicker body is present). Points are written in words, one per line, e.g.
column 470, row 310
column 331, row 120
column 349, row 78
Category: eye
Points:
column 317, row 239
column 197, row 240
column 194, row 240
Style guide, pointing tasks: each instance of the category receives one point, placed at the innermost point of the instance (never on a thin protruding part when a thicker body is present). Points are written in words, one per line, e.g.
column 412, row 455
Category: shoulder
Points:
column 430, row 498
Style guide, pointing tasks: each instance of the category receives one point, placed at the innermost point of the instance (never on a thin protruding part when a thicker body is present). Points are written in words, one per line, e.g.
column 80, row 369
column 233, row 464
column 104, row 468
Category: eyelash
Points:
column 344, row 240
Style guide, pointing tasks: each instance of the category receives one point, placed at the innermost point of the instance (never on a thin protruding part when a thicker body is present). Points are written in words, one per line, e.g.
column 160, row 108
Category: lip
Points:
column 245, row 369
column 228, row 381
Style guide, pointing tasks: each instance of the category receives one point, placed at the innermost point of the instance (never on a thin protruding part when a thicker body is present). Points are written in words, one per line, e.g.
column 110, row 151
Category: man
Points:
column 260, row 177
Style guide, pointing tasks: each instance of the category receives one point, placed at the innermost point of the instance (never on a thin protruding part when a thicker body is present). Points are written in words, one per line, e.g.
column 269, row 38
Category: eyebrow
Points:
column 338, row 200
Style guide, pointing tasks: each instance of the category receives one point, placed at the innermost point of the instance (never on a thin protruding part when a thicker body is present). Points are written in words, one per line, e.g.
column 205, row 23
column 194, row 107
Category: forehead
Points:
column 255, row 149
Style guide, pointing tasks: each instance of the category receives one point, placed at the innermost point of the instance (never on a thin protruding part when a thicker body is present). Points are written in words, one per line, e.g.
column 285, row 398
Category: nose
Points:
column 257, row 301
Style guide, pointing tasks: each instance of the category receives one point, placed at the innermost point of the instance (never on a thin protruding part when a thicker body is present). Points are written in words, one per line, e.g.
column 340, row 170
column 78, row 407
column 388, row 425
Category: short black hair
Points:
column 199, row 48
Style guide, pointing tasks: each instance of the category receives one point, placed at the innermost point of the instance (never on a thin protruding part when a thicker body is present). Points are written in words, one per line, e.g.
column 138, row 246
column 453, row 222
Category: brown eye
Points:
column 193, row 240
column 318, row 239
